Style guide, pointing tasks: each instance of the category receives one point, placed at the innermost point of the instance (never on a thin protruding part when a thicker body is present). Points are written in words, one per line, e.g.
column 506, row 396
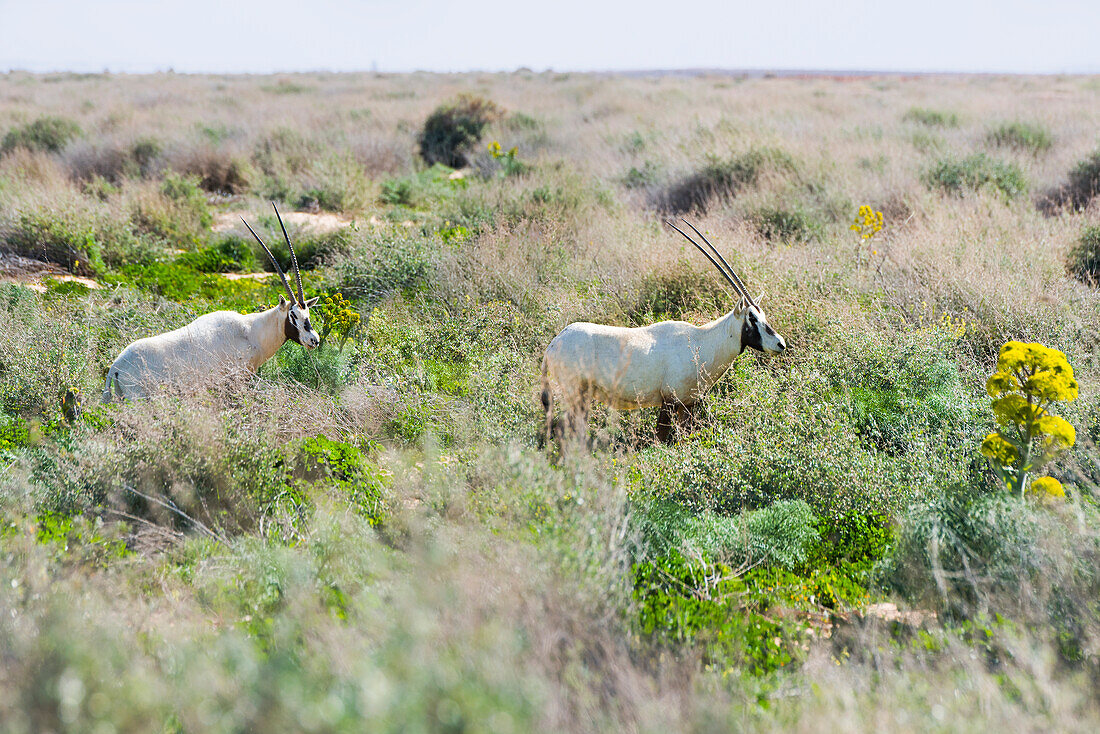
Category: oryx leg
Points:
column 687, row 417
column 666, row 419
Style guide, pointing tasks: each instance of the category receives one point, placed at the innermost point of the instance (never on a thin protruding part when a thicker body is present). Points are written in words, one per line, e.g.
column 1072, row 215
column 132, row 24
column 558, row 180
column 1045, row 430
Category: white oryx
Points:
column 215, row 343
column 670, row 364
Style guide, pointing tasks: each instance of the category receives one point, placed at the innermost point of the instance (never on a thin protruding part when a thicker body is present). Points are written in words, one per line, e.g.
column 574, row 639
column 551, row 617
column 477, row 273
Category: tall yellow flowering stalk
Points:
column 1029, row 378
column 867, row 224
column 339, row 318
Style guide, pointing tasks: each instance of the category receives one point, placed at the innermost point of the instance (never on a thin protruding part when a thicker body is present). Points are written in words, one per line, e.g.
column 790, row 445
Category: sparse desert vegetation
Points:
column 368, row 536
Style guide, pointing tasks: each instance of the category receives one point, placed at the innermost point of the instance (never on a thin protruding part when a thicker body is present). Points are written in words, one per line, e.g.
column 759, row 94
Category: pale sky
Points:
column 566, row 35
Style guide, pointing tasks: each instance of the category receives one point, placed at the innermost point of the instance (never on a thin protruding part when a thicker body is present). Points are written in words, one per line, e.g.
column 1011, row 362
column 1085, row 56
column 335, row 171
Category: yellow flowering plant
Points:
column 867, row 224
column 510, row 164
column 1029, row 378
column 340, row 319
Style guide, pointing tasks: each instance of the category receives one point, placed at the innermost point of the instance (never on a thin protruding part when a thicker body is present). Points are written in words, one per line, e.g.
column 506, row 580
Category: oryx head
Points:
column 297, row 326
column 756, row 332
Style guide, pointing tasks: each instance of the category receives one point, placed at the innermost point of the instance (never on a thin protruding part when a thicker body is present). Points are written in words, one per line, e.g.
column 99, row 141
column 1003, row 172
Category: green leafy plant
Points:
column 1025, row 136
column 958, row 175
column 232, row 254
column 1084, row 258
column 47, row 133
column 931, row 118
column 1028, row 380
column 348, row 467
column 722, row 178
column 510, row 164
column 785, row 225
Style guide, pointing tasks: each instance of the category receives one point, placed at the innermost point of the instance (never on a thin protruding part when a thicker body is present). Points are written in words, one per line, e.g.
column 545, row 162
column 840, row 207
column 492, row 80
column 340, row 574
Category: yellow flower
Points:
column 1047, row 487
column 1059, row 432
column 1016, row 409
column 996, row 447
column 999, row 383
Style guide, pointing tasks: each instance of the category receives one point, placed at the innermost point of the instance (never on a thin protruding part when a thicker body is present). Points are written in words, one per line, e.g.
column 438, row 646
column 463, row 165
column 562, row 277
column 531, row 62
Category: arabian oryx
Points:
column 670, row 364
column 215, row 343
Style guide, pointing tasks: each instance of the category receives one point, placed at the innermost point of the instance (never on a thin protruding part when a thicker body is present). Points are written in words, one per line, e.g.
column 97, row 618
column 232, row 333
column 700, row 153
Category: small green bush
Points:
column 218, row 171
column 722, row 178
column 232, row 254
column 680, row 290
column 1084, row 182
column 1084, row 258
column 311, row 248
column 931, row 118
column 421, row 188
column 83, row 241
column 47, row 133
column 785, row 225
column 957, row 547
column 974, row 172
column 178, row 216
column 395, row 266
column 453, row 130
column 350, row 470
column 783, row 534
column 686, row 603
column 642, row 178
column 1030, row 137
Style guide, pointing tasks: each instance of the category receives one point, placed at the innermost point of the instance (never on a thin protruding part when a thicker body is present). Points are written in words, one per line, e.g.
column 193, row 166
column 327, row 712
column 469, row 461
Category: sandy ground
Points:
column 33, row 273
column 319, row 223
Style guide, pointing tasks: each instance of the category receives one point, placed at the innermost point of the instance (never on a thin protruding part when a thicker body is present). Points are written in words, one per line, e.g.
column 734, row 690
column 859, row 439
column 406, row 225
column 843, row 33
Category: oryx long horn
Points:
column 741, row 286
column 274, row 262
column 293, row 257
column 709, row 257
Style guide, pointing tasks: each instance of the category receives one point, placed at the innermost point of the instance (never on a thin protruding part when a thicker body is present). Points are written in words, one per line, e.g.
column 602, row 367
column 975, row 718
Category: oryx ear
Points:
column 312, row 301
column 283, row 304
column 760, row 297
column 742, row 304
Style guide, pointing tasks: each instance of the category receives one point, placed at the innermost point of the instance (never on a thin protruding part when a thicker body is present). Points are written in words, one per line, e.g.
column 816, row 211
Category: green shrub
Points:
column 958, row 175
column 395, row 265
column 783, row 534
column 813, row 431
column 645, row 177
column 218, row 171
column 421, row 188
column 784, row 225
column 82, row 240
column 46, row 133
column 312, row 248
column 1084, row 182
column 325, row 368
column 453, row 130
column 931, row 118
column 348, row 467
column 698, row 605
column 179, row 215
column 722, row 178
column 1030, row 137
column 680, row 290
column 232, row 254
column 957, row 547
column 1084, row 258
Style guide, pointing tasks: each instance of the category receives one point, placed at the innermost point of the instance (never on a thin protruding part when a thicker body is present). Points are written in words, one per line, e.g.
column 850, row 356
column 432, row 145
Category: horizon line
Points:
column 690, row 71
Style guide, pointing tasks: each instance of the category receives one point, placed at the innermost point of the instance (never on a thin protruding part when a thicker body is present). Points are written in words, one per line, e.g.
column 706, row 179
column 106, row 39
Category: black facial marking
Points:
column 750, row 333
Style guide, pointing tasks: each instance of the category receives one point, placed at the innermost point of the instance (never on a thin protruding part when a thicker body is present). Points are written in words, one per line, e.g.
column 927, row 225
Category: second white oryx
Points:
column 215, row 343
column 670, row 364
